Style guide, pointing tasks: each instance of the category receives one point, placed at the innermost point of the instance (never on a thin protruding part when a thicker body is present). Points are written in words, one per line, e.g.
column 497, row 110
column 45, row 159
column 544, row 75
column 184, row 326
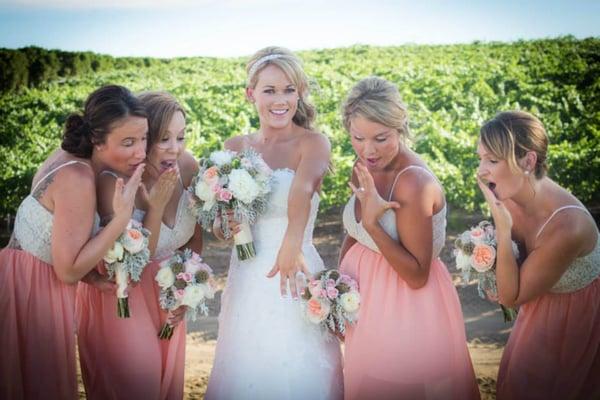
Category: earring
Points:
column 527, row 172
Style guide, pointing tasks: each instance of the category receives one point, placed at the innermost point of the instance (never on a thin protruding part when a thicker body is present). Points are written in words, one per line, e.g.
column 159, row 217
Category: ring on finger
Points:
column 360, row 189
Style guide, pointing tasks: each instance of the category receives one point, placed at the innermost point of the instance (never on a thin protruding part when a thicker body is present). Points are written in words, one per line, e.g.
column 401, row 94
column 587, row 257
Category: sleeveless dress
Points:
column 265, row 348
column 553, row 351
column 407, row 343
column 124, row 358
column 37, row 331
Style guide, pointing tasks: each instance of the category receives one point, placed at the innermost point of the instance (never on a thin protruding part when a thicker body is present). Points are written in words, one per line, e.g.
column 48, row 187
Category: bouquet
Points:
column 331, row 299
column 184, row 280
column 232, row 181
column 126, row 260
column 475, row 254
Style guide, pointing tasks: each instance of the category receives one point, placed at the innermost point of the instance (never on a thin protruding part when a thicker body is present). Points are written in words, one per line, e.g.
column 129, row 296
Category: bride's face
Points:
column 275, row 97
column 375, row 144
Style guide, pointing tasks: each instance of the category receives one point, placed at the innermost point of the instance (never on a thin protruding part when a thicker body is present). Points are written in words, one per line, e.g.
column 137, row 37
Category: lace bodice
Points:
column 388, row 223
column 33, row 223
column 170, row 239
column 583, row 271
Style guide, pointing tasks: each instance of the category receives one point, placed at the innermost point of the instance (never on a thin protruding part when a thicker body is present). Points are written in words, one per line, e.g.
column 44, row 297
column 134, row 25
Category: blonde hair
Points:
column 160, row 106
column 511, row 134
column 291, row 66
column 378, row 101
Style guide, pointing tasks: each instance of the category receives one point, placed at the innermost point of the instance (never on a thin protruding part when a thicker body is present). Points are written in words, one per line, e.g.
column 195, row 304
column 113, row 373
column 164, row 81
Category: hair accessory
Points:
column 261, row 61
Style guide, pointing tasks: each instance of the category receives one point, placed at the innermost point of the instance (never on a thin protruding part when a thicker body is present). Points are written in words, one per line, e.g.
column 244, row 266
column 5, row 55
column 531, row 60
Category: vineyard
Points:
column 450, row 91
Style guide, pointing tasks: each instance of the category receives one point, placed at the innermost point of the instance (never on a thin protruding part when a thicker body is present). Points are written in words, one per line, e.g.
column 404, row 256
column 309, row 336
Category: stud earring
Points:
column 526, row 172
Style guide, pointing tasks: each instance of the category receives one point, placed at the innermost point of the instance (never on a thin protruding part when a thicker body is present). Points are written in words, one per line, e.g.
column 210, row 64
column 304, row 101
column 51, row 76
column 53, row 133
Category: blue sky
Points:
column 169, row 28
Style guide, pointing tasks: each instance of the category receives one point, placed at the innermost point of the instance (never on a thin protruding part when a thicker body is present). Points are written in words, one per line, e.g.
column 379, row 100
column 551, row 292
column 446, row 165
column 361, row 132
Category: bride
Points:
column 265, row 348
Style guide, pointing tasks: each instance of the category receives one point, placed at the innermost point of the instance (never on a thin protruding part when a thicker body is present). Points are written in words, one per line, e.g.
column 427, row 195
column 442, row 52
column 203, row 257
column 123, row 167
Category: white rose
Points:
column 243, row 186
column 193, row 295
column 221, row 157
column 133, row 241
column 209, row 291
column 114, row 254
column 463, row 261
column 165, row 278
column 203, row 191
column 350, row 301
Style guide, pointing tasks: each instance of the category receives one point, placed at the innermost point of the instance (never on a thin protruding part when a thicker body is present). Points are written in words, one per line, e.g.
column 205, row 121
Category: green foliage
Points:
column 450, row 91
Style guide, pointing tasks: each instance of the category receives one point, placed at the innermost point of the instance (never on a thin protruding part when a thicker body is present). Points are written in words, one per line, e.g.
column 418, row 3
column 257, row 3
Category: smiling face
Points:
column 166, row 149
column 275, row 97
column 124, row 147
column 375, row 144
column 497, row 174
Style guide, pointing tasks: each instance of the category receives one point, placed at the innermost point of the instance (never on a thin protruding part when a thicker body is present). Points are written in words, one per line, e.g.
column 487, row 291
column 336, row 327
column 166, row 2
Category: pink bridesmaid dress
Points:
column 37, row 331
column 407, row 343
column 553, row 351
column 123, row 358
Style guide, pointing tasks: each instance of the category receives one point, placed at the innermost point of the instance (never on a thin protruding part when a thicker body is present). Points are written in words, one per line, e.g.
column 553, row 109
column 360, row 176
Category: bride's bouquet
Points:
column 331, row 299
column 232, row 181
column 475, row 254
column 184, row 280
column 126, row 260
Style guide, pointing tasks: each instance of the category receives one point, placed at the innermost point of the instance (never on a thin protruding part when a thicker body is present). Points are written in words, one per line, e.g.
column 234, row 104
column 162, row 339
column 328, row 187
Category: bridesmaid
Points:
column 553, row 351
column 52, row 248
column 124, row 358
column 409, row 341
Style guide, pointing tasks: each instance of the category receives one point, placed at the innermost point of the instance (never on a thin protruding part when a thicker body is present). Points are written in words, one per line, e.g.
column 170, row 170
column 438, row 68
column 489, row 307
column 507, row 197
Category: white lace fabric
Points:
column 266, row 349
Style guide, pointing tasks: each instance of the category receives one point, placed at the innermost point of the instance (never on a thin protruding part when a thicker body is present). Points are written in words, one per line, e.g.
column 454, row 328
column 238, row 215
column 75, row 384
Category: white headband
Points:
column 261, row 61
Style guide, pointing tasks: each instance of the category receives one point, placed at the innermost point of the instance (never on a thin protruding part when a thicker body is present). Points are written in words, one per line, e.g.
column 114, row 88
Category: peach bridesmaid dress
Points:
column 553, row 351
column 37, row 331
column 407, row 343
column 124, row 358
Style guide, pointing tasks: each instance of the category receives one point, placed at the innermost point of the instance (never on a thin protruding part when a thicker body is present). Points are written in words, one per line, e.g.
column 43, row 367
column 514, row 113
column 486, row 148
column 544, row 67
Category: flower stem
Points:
column 166, row 332
column 123, row 307
column 245, row 251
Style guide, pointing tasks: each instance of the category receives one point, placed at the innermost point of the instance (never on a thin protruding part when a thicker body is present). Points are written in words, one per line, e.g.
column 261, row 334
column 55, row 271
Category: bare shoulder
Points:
column 314, row 141
column 573, row 228
column 188, row 167
column 75, row 178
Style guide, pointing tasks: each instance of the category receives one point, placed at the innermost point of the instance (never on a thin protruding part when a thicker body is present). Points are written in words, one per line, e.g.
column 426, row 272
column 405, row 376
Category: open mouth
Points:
column 372, row 160
column 166, row 164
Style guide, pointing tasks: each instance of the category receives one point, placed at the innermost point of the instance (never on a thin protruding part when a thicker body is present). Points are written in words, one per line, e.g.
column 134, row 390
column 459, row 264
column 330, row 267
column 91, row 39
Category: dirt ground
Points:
column 486, row 331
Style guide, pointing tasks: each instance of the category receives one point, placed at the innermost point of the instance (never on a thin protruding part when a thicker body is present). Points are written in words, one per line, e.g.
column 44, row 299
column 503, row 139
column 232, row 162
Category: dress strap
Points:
column 554, row 213
column 53, row 170
column 405, row 169
column 107, row 172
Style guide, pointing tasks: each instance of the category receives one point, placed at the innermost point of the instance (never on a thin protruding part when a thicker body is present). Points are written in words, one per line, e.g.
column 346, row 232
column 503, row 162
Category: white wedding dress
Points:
column 265, row 348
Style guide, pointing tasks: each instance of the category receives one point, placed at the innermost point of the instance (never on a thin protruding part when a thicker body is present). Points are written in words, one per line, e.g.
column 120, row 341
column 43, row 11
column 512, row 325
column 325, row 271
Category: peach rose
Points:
column 317, row 310
column 133, row 241
column 483, row 257
column 211, row 175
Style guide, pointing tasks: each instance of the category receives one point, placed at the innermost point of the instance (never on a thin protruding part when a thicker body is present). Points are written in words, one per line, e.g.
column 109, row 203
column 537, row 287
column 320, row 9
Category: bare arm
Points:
column 348, row 242
column 315, row 155
column 73, row 252
column 156, row 201
column 561, row 242
column 411, row 255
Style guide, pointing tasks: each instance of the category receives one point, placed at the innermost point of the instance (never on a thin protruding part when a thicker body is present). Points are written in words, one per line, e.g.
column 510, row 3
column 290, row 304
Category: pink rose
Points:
column 179, row 293
column 477, row 234
column 329, row 283
column 193, row 264
column 483, row 257
column 332, row 292
column 224, row 195
column 314, row 287
column 186, row 276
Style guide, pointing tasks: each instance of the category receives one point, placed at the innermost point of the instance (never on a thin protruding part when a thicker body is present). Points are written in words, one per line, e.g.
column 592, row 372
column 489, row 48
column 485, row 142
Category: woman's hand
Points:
column 372, row 205
column 100, row 282
column 502, row 218
column 161, row 192
column 234, row 225
column 174, row 317
column 289, row 262
column 124, row 196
